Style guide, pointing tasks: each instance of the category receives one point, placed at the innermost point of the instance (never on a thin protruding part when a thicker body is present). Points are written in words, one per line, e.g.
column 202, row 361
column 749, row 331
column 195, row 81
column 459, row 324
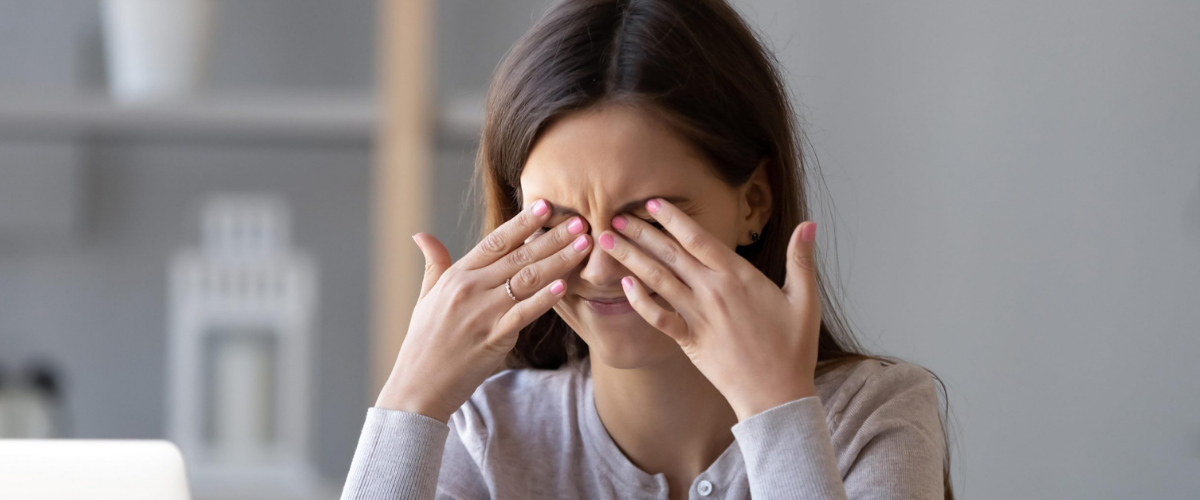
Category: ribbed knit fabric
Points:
column 872, row 432
column 391, row 464
column 774, row 434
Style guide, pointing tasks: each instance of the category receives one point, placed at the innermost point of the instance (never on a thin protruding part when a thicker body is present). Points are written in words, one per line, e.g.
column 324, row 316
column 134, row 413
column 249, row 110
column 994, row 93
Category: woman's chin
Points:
column 628, row 348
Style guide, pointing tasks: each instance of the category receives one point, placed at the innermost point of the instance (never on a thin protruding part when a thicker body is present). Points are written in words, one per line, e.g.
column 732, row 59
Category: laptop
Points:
column 61, row 469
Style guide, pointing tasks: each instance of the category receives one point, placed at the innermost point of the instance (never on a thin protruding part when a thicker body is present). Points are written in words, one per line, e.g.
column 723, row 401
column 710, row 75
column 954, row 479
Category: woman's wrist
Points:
column 395, row 396
column 769, row 397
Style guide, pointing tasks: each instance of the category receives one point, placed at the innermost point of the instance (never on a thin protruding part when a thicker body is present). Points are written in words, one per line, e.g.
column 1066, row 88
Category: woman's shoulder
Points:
column 854, row 390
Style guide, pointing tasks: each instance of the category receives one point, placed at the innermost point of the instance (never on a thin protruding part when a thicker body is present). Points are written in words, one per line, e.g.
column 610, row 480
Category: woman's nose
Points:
column 601, row 269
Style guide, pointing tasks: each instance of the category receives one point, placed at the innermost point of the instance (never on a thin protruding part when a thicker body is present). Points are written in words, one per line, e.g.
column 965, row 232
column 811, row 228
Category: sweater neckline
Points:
column 724, row 469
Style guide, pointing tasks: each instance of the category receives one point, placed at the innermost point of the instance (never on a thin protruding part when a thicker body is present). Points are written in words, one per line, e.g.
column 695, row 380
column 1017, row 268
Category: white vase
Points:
column 156, row 49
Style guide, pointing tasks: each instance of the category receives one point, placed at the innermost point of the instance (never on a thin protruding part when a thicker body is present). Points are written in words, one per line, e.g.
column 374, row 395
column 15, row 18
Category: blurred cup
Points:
column 156, row 49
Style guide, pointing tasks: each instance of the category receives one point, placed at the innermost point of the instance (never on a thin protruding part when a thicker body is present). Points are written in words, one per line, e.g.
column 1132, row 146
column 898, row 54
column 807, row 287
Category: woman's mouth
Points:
column 609, row 306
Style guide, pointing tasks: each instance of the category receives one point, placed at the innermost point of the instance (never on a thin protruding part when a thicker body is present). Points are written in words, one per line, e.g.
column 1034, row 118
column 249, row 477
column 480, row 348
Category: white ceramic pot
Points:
column 156, row 49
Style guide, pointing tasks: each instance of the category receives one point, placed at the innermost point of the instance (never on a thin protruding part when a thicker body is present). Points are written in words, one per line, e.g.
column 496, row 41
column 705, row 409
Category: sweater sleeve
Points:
column 408, row 456
column 886, row 442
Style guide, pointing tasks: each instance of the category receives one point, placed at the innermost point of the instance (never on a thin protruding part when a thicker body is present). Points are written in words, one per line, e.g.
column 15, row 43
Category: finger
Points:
column 801, row 281
column 652, row 272
column 508, row 236
column 535, row 276
column 668, row 322
column 524, row 312
column 659, row 245
column 437, row 260
column 695, row 239
column 537, row 248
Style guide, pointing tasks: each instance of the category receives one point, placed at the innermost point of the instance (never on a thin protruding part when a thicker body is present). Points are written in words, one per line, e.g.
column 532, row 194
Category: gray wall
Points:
column 95, row 301
column 1017, row 196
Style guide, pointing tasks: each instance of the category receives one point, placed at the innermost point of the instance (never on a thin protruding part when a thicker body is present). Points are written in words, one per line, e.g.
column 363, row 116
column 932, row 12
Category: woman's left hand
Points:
column 755, row 342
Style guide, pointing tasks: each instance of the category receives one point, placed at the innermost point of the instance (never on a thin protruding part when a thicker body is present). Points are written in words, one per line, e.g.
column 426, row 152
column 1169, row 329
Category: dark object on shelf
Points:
column 44, row 379
column 31, row 402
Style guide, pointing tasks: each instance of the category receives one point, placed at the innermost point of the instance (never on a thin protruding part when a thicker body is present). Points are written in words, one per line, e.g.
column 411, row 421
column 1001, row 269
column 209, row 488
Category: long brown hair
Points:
column 697, row 65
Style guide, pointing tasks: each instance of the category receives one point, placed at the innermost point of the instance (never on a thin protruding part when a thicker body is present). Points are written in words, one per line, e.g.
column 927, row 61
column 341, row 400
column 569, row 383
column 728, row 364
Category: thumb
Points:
column 437, row 260
column 801, row 281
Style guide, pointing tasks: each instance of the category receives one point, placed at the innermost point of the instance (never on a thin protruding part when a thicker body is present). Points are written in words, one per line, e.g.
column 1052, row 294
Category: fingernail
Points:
column 652, row 206
column 619, row 222
column 540, row 207
column 557, row 287
column 418, row 242
column 809, row 233
column 576, row 226
column 580, row 243
column 607, row 241
column 627, row 283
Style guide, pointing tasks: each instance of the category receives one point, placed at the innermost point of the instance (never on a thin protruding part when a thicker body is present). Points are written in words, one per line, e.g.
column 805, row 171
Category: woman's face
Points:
column 600, row 163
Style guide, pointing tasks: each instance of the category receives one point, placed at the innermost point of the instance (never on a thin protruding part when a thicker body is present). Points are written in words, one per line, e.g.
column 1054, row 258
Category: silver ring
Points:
column 508, row 288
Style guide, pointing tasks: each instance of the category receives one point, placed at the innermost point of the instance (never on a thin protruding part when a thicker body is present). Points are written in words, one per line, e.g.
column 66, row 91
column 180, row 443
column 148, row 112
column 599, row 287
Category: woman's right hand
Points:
column 464, row 323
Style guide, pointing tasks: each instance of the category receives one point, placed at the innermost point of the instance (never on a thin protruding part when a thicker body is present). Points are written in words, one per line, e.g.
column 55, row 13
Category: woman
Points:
column 649, row 275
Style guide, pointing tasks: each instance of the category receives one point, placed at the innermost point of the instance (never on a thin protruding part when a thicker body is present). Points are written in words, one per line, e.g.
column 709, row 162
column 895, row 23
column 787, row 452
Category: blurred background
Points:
column 204, row 230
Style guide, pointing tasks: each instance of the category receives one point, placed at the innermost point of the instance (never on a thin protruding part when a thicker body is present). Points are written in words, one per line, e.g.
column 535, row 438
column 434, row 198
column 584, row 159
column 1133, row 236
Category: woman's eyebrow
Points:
column 633, row 205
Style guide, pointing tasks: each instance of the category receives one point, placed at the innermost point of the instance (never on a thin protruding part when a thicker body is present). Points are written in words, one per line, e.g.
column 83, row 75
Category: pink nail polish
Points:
column 652, row 206
column 557, row 287
column 580, row 243
column 627, row 283
column 809, row 233
column 540, row 207
column 576, row 226
column 619, row 222
column 607, row 241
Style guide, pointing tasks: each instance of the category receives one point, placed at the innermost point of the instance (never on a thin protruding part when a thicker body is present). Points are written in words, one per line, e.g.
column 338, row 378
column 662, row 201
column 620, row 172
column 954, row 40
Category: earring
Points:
column 754, row 237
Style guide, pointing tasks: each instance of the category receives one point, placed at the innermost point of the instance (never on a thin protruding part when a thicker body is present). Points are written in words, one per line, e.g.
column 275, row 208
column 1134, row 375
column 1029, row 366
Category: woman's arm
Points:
column 408, row 456
column 467, row 318
column 887, row 436
column 398, row 457
column 788, row 452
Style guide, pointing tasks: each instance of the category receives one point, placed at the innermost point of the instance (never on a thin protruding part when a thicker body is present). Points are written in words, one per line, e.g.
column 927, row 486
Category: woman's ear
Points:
column 755, row 204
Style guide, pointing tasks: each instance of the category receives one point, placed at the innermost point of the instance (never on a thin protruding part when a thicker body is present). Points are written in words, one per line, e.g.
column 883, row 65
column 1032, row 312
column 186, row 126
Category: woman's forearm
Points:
column 788, row 453
column 398, row 457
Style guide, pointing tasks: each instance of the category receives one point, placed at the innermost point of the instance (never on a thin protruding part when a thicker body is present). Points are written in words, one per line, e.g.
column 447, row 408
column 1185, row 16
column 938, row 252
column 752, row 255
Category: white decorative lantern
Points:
column 240, row 354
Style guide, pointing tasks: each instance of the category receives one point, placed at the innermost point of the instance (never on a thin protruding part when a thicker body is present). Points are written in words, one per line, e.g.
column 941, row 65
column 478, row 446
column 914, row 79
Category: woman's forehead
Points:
column 572, row 190
column 614, row 154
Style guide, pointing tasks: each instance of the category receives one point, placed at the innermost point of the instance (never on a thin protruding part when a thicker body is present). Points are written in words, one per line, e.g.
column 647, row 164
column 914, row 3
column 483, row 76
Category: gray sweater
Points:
column 873, row 431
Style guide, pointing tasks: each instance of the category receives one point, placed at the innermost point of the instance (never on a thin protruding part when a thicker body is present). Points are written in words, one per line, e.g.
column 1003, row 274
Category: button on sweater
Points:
column 872, row 432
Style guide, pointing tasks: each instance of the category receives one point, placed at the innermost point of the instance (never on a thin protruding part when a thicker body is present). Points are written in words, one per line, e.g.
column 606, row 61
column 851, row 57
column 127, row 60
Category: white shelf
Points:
column 308, row 117
column 311, row 116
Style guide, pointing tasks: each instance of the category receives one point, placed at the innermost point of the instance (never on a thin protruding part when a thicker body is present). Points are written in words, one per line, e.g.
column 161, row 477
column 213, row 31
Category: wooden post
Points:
column 403, row 173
